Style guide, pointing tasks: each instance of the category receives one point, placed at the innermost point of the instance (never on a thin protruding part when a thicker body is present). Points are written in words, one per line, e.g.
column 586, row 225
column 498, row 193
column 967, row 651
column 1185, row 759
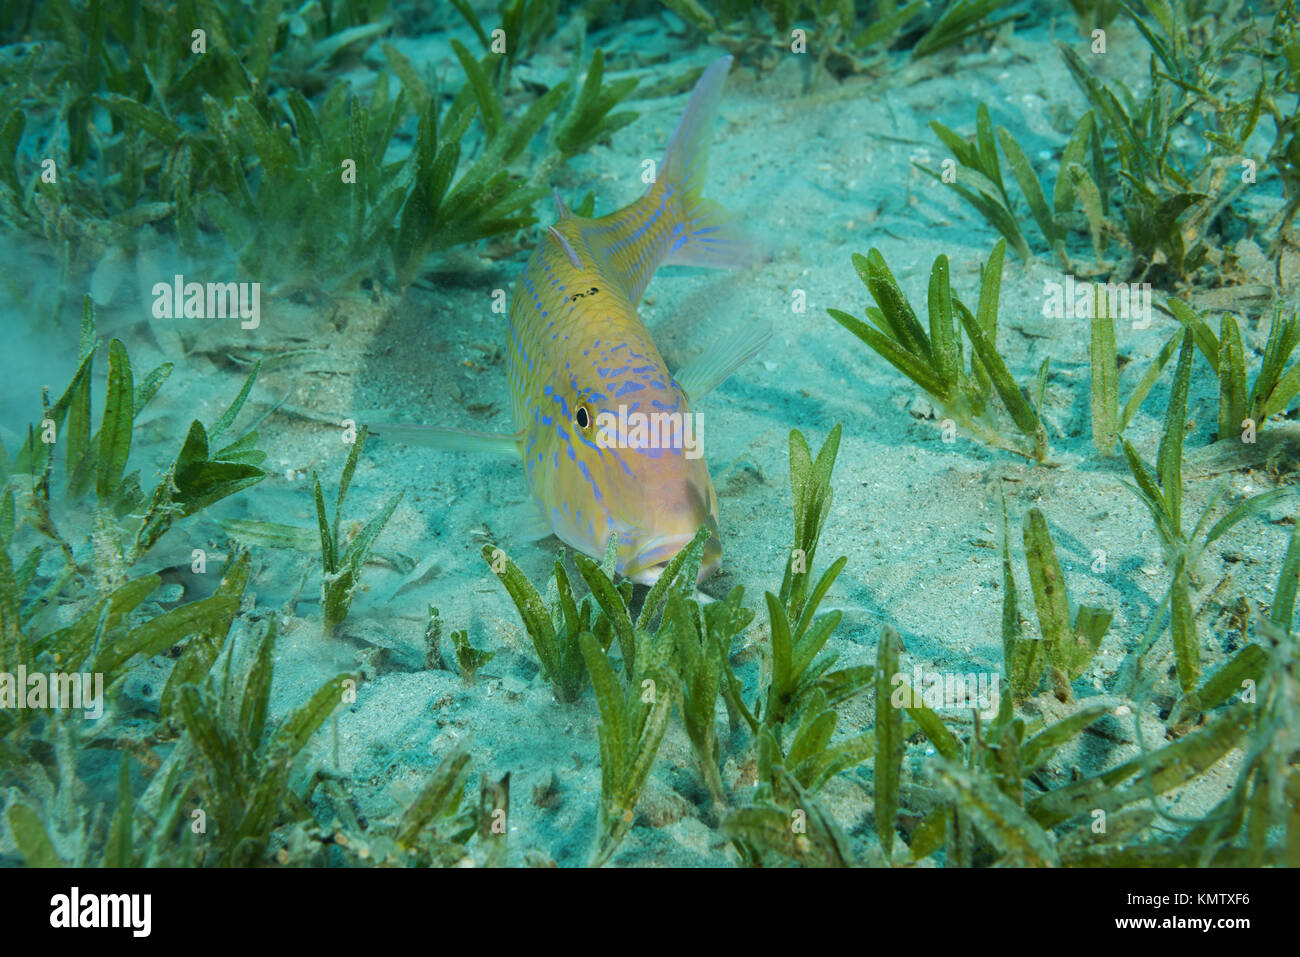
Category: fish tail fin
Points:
column 702, row 232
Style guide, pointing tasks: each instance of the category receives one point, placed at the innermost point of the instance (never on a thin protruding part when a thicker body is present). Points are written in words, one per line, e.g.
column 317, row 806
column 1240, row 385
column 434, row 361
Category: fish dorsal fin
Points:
column 711, row 367
column 561, row 211
column 565, row 245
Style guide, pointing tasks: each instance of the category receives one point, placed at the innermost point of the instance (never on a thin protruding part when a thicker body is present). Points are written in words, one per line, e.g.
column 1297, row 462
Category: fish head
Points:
column 632, row 464
column 667, row 525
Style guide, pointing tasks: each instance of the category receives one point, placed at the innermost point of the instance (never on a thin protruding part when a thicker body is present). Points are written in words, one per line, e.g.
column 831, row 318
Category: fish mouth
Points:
column 650, row 562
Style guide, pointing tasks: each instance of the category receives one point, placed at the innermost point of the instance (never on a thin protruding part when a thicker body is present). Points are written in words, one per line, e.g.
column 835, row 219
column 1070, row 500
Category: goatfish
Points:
column 606, row 434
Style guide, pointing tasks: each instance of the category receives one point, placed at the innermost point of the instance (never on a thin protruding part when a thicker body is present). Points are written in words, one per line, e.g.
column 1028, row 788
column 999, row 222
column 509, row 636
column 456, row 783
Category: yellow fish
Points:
column 605, row 432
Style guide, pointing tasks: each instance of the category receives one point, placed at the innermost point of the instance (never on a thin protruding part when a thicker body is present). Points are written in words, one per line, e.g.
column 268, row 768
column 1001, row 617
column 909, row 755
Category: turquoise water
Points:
column 820, row 154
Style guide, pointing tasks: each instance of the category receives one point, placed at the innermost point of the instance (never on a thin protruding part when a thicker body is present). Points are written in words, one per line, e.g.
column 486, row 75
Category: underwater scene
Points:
column 649, row 433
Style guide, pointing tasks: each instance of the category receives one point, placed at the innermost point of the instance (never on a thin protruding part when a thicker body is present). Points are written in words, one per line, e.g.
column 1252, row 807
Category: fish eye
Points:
column 582, row 417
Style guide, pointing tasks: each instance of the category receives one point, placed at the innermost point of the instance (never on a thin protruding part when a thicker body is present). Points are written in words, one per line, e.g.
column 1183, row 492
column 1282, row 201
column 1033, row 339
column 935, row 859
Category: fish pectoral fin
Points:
column 713, row 366
column 455, row 440
column 561, row 211
column 527, row 522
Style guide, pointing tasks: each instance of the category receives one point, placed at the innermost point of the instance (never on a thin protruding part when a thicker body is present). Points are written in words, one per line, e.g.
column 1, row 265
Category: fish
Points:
column 608, row 436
